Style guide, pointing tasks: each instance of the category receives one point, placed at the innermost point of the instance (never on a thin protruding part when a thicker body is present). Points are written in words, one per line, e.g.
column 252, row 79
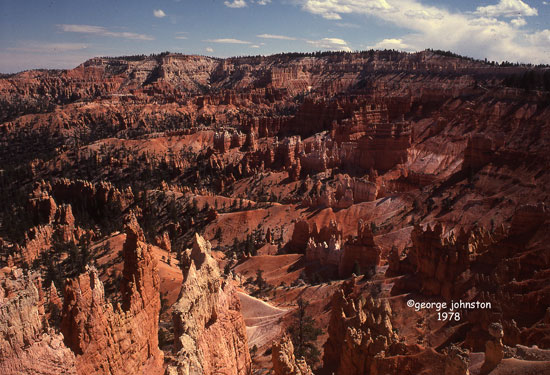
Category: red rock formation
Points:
column 100, row 199
column 117, row 339
column 328, row 253
column 57, row 223
column 251, row 142
column 343, row 192
column 359, row 330
column 493, row 348
column 528, row 218
column 386, row 147
column 470, row 266
column 163, row 241
column 284, row 362
column 439, row 261
column 479, row 152
column 360, row 252
column 27, row 345
column 222, row 142
column 456, row 361
column 295, row 171
column 209, row 330
column 354, row 126
column 300, row 236
column 362, row 340
column 43, row 208
column 37, row 240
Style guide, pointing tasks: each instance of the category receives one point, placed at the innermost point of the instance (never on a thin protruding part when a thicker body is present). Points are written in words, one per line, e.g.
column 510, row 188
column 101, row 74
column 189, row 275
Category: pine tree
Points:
column 218, row 234
column 250, row 248
column 304, row 334
column 260, row 281
column 235, row 246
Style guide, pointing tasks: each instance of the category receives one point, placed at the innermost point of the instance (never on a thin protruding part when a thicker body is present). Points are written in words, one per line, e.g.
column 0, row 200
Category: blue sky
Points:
column 63, row 34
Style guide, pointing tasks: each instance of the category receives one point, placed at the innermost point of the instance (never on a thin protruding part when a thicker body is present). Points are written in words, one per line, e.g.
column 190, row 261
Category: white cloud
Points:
column 391, row 44
column 471, row 34
column 518, row 22
column 210, row 50
column 235, row 4
column 541, row 38
column 507, row 8
column 102, row 31
column 227, row 41
column 263, row 2
column 272, row 36
column 425, row 14
column 333, row 44
column 159, row 13
column 255, row 46
column 331, row 9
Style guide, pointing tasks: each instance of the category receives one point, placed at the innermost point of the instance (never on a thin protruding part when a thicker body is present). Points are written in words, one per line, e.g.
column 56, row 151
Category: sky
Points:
column 63, row 34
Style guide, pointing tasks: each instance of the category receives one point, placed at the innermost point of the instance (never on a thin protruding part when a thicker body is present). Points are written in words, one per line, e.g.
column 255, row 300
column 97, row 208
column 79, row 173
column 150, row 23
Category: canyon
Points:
column 174, row 214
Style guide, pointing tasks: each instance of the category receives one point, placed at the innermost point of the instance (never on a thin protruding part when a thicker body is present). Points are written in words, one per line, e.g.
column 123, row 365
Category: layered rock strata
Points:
column 209, row 330
column 362, row 340
column 284, row 361
column 121, row 338
column 28, row 346
column 335, row 256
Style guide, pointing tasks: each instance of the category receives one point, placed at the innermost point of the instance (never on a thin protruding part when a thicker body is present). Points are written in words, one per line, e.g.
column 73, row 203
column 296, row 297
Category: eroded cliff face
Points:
column 362, row 339
column 284, row 361
column 419, row 173
column 27, row 344
column 209, row 330
column 328, row 254
column 122, row 338
column 497, row 266
column 50, row 207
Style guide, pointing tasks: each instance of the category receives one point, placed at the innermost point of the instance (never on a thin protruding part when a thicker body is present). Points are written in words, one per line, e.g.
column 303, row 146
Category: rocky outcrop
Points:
column 438, row 260
column 99, row 200
column 359, row 330
column 343, row 192
column 163, row 241
column 360, row 254
column 209, row 330
column 361, row 138
column 479, row 152
column 496, row 267
column 55, row 224
column 528, row 218
column 121, row 338
column 362, row 339
column 300, row 236
column 225, row 141
column 28, row 346
column 51, row 207
column 440, row 137
column 384, row 146
column 326, row 252
column 493, row 348
column 457, row 361
column 284, row 361
column 43, row 209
